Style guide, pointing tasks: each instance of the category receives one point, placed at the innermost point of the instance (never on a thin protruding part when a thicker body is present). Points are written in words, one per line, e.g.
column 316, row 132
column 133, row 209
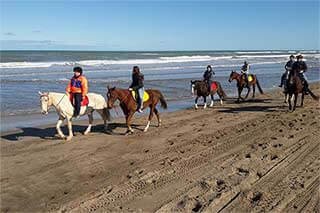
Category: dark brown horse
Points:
column 201, row 90
column 294, row 87
column 241, row 83
column 129, row 105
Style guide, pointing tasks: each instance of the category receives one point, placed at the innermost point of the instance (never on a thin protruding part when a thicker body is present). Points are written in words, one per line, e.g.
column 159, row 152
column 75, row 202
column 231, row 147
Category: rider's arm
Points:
column 305, row 68
column 84, row 84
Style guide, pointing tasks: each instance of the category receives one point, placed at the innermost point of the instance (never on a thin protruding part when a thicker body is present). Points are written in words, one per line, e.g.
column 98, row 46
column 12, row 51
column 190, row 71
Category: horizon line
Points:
column 218, row 50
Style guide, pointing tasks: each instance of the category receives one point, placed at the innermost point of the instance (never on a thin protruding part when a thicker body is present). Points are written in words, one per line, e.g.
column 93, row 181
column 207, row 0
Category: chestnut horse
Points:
column 294, row 87
column 129, row 105
column 241, row 83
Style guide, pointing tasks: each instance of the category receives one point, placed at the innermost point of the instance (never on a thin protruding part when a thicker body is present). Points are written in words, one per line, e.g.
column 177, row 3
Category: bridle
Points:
column 47, row 95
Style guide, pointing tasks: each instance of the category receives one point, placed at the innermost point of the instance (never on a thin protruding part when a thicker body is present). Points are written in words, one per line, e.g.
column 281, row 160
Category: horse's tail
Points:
column 259, row 87
column 221, row 92
column 315, row 97
column 163, row 102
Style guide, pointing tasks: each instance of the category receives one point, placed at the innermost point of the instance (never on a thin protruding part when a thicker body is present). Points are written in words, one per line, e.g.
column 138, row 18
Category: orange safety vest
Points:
column 78, row 85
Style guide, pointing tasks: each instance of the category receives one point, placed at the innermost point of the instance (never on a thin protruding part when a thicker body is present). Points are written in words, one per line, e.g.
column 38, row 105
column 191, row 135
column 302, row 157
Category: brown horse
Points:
column 200, row 88
column 241, row 83
column 129, row 105
column 294, row 87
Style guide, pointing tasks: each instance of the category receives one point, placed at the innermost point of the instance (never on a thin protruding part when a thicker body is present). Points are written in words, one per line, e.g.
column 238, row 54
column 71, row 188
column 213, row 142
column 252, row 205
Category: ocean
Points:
column 24, row 73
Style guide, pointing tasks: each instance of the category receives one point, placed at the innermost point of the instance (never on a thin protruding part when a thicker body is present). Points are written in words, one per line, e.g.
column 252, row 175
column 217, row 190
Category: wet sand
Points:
column 253, row 156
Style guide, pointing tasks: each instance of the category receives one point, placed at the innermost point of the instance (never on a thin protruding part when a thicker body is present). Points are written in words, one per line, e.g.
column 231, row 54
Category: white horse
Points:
column 64, row 108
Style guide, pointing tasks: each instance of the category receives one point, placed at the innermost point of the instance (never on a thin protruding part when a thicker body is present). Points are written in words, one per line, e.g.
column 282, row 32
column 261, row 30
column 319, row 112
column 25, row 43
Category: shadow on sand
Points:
column 50, row 132
column 260, row 108
column 46, row 133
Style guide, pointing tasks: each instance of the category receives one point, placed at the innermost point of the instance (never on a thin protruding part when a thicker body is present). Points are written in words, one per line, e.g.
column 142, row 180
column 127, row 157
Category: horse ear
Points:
column 40, row 93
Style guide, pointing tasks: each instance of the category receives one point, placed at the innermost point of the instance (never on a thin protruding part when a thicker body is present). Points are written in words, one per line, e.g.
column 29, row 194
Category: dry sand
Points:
column 254, row 156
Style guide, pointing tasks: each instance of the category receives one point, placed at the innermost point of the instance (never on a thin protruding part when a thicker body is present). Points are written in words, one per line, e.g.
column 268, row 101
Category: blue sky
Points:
column 162, row 25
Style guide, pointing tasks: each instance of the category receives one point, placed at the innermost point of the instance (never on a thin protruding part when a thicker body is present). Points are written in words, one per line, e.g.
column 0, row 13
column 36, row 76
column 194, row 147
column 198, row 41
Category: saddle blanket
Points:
column 145, row 96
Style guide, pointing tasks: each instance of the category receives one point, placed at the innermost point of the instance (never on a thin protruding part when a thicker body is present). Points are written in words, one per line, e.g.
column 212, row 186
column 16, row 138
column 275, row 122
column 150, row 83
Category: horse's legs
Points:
column 204, row 102
column 247, row 92
column 289, row 100
column 70, row 129
column 158, row 116
column 196, row 102
column 239, row 93
column 212, row 99
column 302, row 98
column 104, row 116
column 128, row 121
column 88, row 130
column 150, row 118
column 295, row 101
column 253, row 90
column 286, row 98
column 58, row 127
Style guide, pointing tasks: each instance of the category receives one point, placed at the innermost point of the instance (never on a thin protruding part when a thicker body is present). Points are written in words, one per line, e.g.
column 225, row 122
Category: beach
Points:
column 237, row 157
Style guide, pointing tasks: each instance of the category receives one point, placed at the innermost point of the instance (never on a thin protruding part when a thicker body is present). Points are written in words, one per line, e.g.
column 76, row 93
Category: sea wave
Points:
column 158, row 60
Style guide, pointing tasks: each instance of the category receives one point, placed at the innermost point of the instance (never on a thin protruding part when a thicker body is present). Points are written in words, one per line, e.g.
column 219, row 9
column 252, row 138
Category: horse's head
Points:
column 45, row 102
column 232, row 76
column 112, row 96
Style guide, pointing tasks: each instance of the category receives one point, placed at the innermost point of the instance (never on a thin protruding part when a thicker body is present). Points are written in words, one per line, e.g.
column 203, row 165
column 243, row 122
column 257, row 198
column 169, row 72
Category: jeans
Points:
column 77, row 97
column 140, row 93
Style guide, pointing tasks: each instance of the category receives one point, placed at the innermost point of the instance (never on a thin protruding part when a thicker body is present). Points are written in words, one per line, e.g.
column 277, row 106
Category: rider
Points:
column 207, row 76
column 137, row 86
column 300, row 67
column 245, row 71
column 78, row 88
column 288, row 68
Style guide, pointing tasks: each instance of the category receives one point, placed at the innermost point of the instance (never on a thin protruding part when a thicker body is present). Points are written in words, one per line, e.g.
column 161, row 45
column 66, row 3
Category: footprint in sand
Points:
column 254, row 197
column 242, row 171
column 273, row 157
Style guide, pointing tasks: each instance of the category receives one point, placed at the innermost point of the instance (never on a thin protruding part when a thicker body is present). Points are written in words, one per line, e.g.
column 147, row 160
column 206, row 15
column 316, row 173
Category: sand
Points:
column 253, row 156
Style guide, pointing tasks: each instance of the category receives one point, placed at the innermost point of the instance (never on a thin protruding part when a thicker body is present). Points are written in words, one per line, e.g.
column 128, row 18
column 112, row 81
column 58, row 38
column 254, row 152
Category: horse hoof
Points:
column 86, row 133
column 145, row 130
column 129, row 132
column 68, row 138
column 61, row 137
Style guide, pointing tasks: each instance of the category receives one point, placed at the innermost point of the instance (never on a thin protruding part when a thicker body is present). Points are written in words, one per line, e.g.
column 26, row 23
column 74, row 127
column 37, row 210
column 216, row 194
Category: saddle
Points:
column 84, row 102
column 145, row 96
column 250, row 77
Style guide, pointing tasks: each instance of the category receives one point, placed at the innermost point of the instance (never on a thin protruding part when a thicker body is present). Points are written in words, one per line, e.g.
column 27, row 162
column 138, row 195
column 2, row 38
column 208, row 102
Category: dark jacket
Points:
column 245, row 68
column 137, row 81
column 207, row 76
column 298, row 66
column 289, row 65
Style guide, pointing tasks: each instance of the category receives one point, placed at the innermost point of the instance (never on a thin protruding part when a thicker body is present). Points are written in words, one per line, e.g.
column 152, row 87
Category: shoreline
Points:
column 234, row 157
column 35, row 118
